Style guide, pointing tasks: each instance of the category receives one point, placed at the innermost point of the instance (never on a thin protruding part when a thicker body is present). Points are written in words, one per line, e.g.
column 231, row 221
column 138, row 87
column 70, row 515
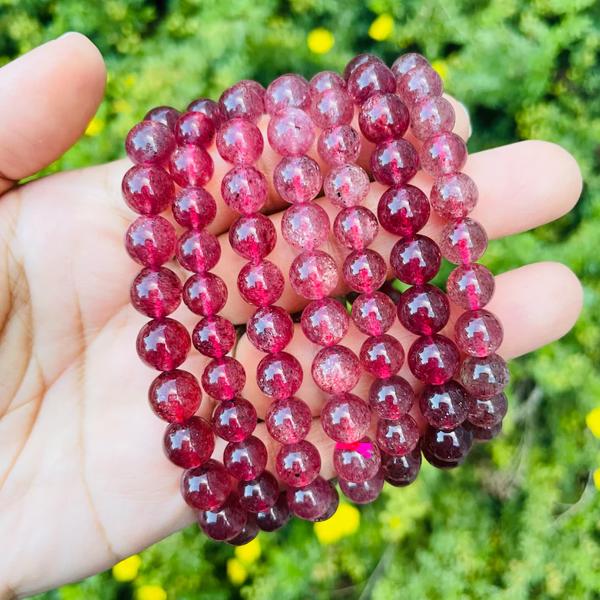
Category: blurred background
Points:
column 521, row 519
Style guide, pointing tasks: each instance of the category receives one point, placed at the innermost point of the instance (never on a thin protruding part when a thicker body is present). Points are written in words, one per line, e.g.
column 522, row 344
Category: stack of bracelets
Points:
column 379, row 438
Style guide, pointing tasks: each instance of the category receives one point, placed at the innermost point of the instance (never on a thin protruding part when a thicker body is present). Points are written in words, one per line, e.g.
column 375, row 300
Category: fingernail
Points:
column 468, row 117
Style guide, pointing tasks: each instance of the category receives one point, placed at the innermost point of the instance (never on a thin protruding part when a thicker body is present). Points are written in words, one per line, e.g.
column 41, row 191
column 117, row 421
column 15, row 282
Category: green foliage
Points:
column 521, row 519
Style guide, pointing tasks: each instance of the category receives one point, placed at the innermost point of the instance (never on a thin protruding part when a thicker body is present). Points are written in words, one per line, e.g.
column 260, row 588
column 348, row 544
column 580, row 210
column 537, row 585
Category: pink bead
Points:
column 478, row 333
column 243, row 100
column 381, row 356
column 191, row 166
column 194, row 128
column 175, row 396
column 244, row 190
column 444, row 406
column 355, row 227
column 447, row 446
column 418, row 84
column 345, row 418
column 189, row 444
column 149, row 143
column 291, row 132
column 210, row 108
column 383, row 117
column 163, row 344
column 470, row 287
column 313, row 502
column 368, row 79
column 339, row 145
column 431, row 116
column 373, row 314
column 433, row 359
column 287, row 91
column 147, row 190
column 391, row 398
column 224, row 523
column 194, row 208
column 346, row 185
column 298, row 464
column 150, row 241
column 205, row 294
column 405, row 62
column 365, row 492
column 156, row 293
column 399, row 437
column 305, row 226
column 401, row 471
column 487, row 412
column 259, row 494
column 423, row 309
column 260, row 284
column 270, row 329
column 415, row 260
column 332, row 107
column 214, row 336
column 253, row 236
column 275, row 517
column 463, row 242
column 288, row 420
column 297, row 179
column 167, row 115
column 234, row 420
column 325, row 322
column 313, row 275
column 279, row 375
column 326, row 80
column 358, row 61
column 206, row 487
column 245, row 460
column 358, row 461
column 454, row 195
column 336, row 369
column 484, row 377
column 223, row 378
column 364, row 271
column 198, row 251
column 442, row 154
column 240, row 142
column 394, row 162
column 403, row 210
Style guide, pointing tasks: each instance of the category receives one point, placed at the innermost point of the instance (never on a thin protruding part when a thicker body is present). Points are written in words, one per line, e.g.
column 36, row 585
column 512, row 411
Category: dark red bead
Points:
column 234, row 420
column 163, row 344
column 415, row 260
column 275, row 517
column 383, row 117
column 194, row 208
column 364, row 492
column 279, row 375
column 206, row 487
column 149, row 142
column 288, row 420
column 223, row 378
column 151, row 241
column 403, row 210
column 368, row 79
column 210, row 108
column 259, row 494
column 487, row 413
column 345, row 418
column 357, row 461
column 248, row 533
column 214, row 336
column 189, row 444
column 260, row 284
column 448, row 446
column 156, row 293
column 391, row 398
column 224, row 523
column 298, row 464
column 167, row 115
column 398, row 437
column 191, row 166
column 313, row 501
column 394, row 162
column 438, row 463
column 194, row 128
column 147, row 190
column 444, row 406
column 381, row 356
column 484, row 377
column 175, row 396
column 270, row 329
column 423, row 309
column 205, row 294
column 245, row 460
column 434, row 359
column 401, row 471
column 198, row 251
column 253, row 237
column 483, row 434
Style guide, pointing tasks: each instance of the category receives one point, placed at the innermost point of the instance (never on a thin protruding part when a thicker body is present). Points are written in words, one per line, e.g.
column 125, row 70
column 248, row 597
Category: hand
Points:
column 83, row 479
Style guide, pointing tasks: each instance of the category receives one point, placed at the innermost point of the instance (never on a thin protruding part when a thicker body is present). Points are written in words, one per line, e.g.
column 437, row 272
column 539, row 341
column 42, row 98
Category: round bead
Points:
column 270, row 329
column 444, row 406
column 287, row 91
column 345, row 418
column 433, row 359
column 194, row 128
column 194, row 208
column 381, row 356
column 149, row 142
column 240, row 142
column 189, row 444
column 355, row 227
column 205, row 294
column 259, row 494
column 482, row 434
column 326, row 80
column 291, row 132
column 325, row 322
column 368, row 79
column 419, row 83
column 357, row 62
column 454, row 195
column 383, row 117
column 244, row 100
column 487, row 413
column 147, row 190
column 394, row 162
column 313, row 502
column 167, row 115
column 336, row 369
column 245, row 460
column 191, row 166
column 297, row 179
column 364, row 271
column 175, row 396
column 260, row 284
column 358, row 461
column 398, row 437
column 415, row 260
column 401, row 471
column 223, row 378
column 298, row 464
column 423, row 309
column 244, row 189
column 391, row 398
column 305, row 226
column 484, row 377
column 478, row 333
column 431, row 116
column 247, row 534
column 346, row 185
column 210, row 108
column 443, row 153
column 253, row 237
column 275, row 517
column 403, row 210
column 279, row 375
column 163, row 344
column 206, row 487
column 470, row 287
column 313, row 275
column 332, row 107
column 214, row 336
column 339, row 145
column 198, row 251
column 234, row 420
column 373, row 314
column 463, row 242
column 150, row 241
column 224, row 523
column 405, row 62
column 365, row 492
column 156, row 293
column 288, row 420
column 448, row 446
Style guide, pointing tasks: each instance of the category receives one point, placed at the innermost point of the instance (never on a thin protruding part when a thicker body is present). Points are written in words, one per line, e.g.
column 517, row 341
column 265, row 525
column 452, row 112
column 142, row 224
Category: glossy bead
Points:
column 305, row 226
column 391, row 398
column 260, row 284
column 326, row 80
column 364, row 271
column 248, row 533
column 253, row 236
column 313, row 275
column 175, row 396
column 398, row 437
column 346, row 185
column 339, row 145
column 381, row 356
column 234, row 420
column 358, row 61
column 443, row 153
column 487, row 413
column 358, row 461
column 194, row 128
column 194, row 208
column 484, row 377
column 332, row 107
column 270, row 329
column 355, row 227
column 214, row 336
column 405, row 62
column 484, row 434
column 191, row 166
column 189, row 444
column 314, row 501
column 275, row 517
column 223, row 378
column 151, row 241
column 419, row 83
column 470, row 287
column 365, row 492
column 478, row 333
column 433, row 359
column 147, row 190
column 287, row 91
column 325, row 322
column 383, row 117
column 444, row 406
column 345, row 418
column 415, row 260
column 431, row 116
column 156, row 293
column 403, row 210
column 225, row 522
column 198, row 251
column 244, row 189
column 297, row 179
column 210, row 108
column 279, row 375
column 368, row 79
column 167, row 115
column 437, row 463
column 244, row 100
column 463, row 242
column 423, row 309
column 149, row 142
column 291, row 132
column 298, row 464
column 288, row 420
column 205, row 294
column 401, row 471
column 373, row 314
column 245, row 460
column 240, row 142
column 336, row 369
column 454, row 195
column 394, row 162
column 448, row 445
column 163, row 344
column 206, row 487
column 258, row 494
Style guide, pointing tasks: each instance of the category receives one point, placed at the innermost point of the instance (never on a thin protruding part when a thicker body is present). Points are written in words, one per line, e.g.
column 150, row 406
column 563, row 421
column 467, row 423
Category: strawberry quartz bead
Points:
column 156, row 293
column 325, row 322
column 447, row 446
column 358, row 61
column 223, row 378
column 481, row 434
column 223, row 523
column 297, row 179
column 189, row 444
column 336, row 369
column 478, row 333
column 433, row 359
column 415, row 260
column 167, row 115
column 470, row 287
column 245, row 460
column 358, row 461
column 423, row 309
column 463, row 242
column 391, row 398
column 313, row 275
column 398, row 437
column 275, row 517
column 244, row 190
column 147, row 190
column 370, row 78
column 364, row 271
column 346, row 185
column 365, row 492
column 418, row 84
column 191, row 166
column 244, row 100
column 288, row 420
column 355, row 227
column 194, row 128
column 234, row 420
column 339, row 145
column 270, row 329
column 332, row 107
column 487, row 413
column 260, row 284
column 394, row 162
column 247, row 534
column 345, row 418
column 214, row 336
column 403, row 210
column 444, row 406
column 383, row 117
column 401, row 471
column 253, row 236
column 210, row 108
column 149, row 142
column 175, row 396
column 373, row 314
column 287, row 91
column 258, row 494
column 431, row 116
column 443, row 153
column 151, row 241
column 454, row 195
column 205, row 294
column 291, row 132
column 198, row 251
column 279, row 375
column 334, row 502
column 305, row 226
column 298, row 464
column 240, row 142
column 381, row 356
column 163, row 344
column 313, row 502
column 194, row 208
column 326, row 80
column 206, row 487
column 404, row 63
column 484, row 377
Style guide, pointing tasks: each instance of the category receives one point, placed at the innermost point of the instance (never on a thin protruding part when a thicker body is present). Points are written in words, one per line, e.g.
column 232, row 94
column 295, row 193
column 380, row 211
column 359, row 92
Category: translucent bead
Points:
column 358, row 461
column 483, row 434
column 275, row 517
column 431, row 116
column 383, row 117
column 205, row 294
column 313, row 501
column 470, row 287
column 194, row 208
column 279, row 375
column 398, row 437
column 305, row 226
column 448, row 446
column 381, row 356
column 214, row 336
column 454, row 195
column 234, row 420
column 325, row 322
column 247, row 534
column 415, row 260
column 224, row 523
column 297, row 179
column 156, row 293
column 332, row 107
column 163, row 344
column 433, row 359
column 423, row 309
column 336, row 369
column 167, row 115
column 287, row 91
column 288, row 420
column 405, row 62
column 244, row 190
column 175, row 396
column 365, row 492
column 291, row 132
column 313, row 275
column 326, row 80
column 346, row 185
column 444, row 406
column 478, row 333
column 149, row 143
column 270, row 329
column 245, row 460
column 401, row 471
column 223, row 378
column 368, row 79
column 244, row 100
column 364, row 271
column 198, row 251
column 355, row 227
column 151, row 241
column 194, row 128
column 442, row 154
column 189, row 444
column 463, row 242
column 260, row 284
column 391, row 398
column 345, row 418
column 419, row 83
column 484, row 377
column 253, row 236
column 394, row 162
column 298, row 464
column 147, row 190
column 339, row 145
column 210, row 108
column 240, row 142
column 403, row 210
column 373, row 314
column 358, row 61
column 191, row 166
column 332, row 506
column 259, row 494
column 487, row 413
column 206, row 487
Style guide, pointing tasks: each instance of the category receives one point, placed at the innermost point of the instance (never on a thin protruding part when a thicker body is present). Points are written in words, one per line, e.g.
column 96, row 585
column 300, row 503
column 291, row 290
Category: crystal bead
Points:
column 325, row 322
column 405, row 62
column 431, row 116
column 365, row 492
column 194, row 128
column 175, row 396
column 443, row 153
column 244, row 100
column 401, row 471
column 326, row 80
column 463, row 242
column 225, row 522
column 163, row 344
column 194, row 208
column 288, row 420
column 223, row 378
column 355, row 227
column 487, row 413
column 313, row 501
column 383, row 117
column 167, row 115
column 423, row 309
column 398, row 437
column 484, row 377
column 368, row 79
column 275, row 517
column 444, row 406
column 291, row 132
column 198, row 251
column 305, row 226
column 339, row 145
column 244, row 189
column 373, row 314
column 297, row 179
column 336, row 369
column 240, row 142
column 364, row 271
column 478, row 333
column 346, row 185
column 381, row 356
column 210, row 108
column 470, row 287
column 150, row 241
column 234, row 420
column 448, row 446
column 191, row 166
column 214, row 336
column 156, row 293
column 403, row 210
column 287, row 91
column 332, row 107
column 453, row 196
column 391, row 398
column 206, row 487
column 482, row 434
column 253, row 236
column 394, row 162
column 149, row 143
column 147, row 190
column 245, row 460
column 345, row 418
column 258, row 494
column 205, row 294
column 260, row 284
column 247, row 534
column 313, row 275
column 433, row 359
column 298, row 464
column 358, row 61
column 358, row 461
column 270, row 329
column 279, row 375
column 415, row 260
column 189, row 444
column 419, row 83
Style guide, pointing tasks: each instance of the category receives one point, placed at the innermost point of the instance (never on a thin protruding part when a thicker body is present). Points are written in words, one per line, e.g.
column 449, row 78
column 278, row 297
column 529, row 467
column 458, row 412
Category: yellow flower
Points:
column 382, row 27
column 395, row 522
column 320, row 40
column 593, row 421
column 127, row 569
column 441, row 67
column 344, row 522
column 122, row 106
column 95, row 126
column 150, row 592
column 596, row 477
column 236, row 571
column 248, row 553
